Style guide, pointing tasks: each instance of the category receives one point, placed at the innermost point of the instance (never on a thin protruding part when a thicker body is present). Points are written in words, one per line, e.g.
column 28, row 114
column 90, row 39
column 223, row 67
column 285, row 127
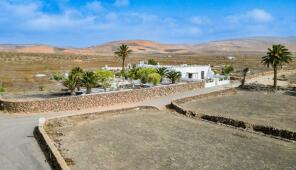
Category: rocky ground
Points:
column 256, row 107
column 152, row 139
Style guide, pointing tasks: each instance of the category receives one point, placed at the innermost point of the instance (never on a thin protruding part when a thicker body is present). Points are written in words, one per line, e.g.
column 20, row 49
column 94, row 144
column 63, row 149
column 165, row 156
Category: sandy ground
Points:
column 268, row 80
column 151, row 139
column 266, row 108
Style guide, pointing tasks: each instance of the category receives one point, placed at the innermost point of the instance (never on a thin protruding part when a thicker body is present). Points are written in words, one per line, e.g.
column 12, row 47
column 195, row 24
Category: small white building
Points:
column 189, row 72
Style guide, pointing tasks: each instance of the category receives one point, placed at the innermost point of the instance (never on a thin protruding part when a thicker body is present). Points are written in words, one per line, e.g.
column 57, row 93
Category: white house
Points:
column 189, row 72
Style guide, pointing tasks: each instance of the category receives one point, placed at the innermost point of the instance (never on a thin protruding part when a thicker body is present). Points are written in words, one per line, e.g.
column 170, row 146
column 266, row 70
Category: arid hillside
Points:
column 234, row 46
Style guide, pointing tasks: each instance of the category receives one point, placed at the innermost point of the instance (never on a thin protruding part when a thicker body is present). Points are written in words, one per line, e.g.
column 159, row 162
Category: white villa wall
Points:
column 216, row 82
column 195, row 70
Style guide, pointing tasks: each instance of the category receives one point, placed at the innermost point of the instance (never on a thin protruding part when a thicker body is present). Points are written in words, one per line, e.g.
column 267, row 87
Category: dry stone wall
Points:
column 95, row 100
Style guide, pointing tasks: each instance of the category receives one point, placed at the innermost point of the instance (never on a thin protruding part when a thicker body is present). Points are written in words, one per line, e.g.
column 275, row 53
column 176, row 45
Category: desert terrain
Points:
column 19, row 64
column 153, row 139
column 256, row 107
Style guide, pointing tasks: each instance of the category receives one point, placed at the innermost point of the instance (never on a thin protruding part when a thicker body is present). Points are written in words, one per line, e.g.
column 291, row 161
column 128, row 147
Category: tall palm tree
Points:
column 162, row 71
column 89, row 80
column 174, row 76
column 276, row 57
column 78, row 72
column 122, row 52
column 71, row 83
column 245, row 71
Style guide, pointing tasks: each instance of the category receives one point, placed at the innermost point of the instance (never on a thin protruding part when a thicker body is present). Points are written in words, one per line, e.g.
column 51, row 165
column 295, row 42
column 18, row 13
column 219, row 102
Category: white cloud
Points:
column 255, row 15
column 94, row 6
column 260, row 15
column 111, row 16
column 199, row 20
column 121, row 3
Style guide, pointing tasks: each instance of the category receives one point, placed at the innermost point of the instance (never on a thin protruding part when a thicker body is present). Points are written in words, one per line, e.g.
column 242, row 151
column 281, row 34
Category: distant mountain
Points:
column 242, row 45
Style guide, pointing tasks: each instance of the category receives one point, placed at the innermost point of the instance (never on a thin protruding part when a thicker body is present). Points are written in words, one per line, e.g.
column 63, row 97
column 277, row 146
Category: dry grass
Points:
column 17, row 70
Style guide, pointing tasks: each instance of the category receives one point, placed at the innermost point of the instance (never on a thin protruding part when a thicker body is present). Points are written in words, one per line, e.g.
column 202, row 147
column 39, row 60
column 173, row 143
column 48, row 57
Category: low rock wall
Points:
column 272, row 131
column 95, row 100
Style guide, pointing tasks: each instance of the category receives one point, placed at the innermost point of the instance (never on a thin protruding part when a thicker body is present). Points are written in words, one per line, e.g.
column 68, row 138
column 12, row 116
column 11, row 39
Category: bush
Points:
column 143, row 73
column 105, row 78
column 154, row 78
column 133, row 73
column 57, row 76
column 152, row 62
column 2, row 89
column 228, row 69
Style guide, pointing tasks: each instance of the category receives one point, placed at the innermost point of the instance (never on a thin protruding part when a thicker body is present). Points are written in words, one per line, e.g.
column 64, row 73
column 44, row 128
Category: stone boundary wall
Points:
column 267, row 130
column 207, row 95
column 52, row 154
column 95, row 100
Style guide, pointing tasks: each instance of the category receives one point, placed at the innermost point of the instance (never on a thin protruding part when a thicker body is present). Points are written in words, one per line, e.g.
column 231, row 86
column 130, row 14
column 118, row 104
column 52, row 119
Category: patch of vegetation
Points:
column 105, row 78
column 152, row 62
column 2, row 89
column 174, row 76
column 227, row 69
column 154, row 78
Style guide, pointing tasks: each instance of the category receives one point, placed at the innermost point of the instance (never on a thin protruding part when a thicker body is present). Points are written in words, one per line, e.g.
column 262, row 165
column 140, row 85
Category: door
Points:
column 202, row 75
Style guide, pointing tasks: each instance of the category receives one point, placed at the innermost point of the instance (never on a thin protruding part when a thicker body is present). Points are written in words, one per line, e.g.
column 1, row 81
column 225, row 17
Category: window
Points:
column 202, row 75
column 190, row 75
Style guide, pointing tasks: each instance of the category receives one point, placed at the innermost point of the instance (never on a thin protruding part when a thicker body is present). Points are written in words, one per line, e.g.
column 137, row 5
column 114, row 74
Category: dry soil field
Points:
column 256, row 107
column 18, row 70
column 152, row 139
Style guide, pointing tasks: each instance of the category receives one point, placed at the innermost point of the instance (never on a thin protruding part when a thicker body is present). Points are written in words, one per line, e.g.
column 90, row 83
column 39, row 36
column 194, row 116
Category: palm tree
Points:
column 174, row 76
column 245, row 71
column 89, row 80
column 78, row 72
column 71, row 83
column 275, row 57
column 162, row 71
column 123, row 53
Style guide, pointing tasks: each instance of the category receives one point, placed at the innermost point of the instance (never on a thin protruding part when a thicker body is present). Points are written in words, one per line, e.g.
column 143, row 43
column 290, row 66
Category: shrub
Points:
column 2, row 89
column 154, row 78
column 57, row 76
column 143, row 73
column 228, row 69
column 152, row 62
column 133, row 73
column 105, row 78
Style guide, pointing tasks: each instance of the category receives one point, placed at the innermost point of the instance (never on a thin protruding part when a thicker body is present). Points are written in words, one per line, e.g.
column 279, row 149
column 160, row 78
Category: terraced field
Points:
column 153, row 139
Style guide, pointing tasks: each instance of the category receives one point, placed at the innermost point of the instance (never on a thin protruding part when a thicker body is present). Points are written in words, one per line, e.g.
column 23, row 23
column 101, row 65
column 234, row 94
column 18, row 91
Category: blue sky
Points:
column 82, row 23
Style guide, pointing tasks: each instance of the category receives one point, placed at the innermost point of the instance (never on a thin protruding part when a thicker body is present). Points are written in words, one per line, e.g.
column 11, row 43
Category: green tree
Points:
column 89, row 80
column 152, row 62
column 154, row 78
column 78, row 72
column 123, row 53
column 143, row 73
column 70, row 82
column 245, row 71
column 228, row 69
column 162, row 71
column 174, row 76
column 105, row 78
column 276, row 57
